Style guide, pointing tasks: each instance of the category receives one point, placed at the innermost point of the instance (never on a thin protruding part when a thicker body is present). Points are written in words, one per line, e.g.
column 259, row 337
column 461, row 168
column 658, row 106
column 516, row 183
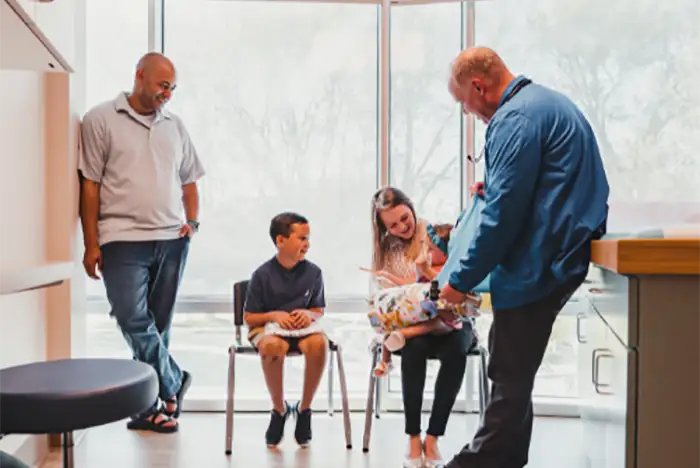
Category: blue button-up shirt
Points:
column 546, row 196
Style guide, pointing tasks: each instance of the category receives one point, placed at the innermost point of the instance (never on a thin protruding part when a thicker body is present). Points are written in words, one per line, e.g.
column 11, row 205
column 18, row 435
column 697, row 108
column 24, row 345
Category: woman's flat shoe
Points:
column 433, row 464
column 428, row 463
column 413, row 463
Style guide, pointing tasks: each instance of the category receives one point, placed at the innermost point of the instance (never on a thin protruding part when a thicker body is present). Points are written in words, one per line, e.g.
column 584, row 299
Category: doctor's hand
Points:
column 451, row 295
column 477, row 188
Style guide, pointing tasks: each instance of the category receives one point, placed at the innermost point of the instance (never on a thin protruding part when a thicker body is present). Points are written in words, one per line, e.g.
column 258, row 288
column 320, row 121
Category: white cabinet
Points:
column 57, row 20
column 643, row 379
column 23, row 44
column 28, row 6
column 591, row 336
column 607, row 382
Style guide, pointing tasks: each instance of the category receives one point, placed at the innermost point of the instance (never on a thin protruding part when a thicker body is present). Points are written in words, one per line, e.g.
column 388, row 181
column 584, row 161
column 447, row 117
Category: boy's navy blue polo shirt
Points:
column 273, row 287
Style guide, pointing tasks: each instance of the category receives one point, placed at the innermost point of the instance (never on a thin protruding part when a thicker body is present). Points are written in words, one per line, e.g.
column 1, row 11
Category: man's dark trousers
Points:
column 517, row 342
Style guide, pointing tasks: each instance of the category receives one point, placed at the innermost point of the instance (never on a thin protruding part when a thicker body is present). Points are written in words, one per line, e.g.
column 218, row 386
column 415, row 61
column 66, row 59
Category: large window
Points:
column 110, row 69
column 110, row 63
column 280, row 99
column 281, row 102
column 426, row 137
column 630, row 66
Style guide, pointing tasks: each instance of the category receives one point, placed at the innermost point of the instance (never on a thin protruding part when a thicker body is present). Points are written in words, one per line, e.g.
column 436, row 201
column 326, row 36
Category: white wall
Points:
column 39, row 115
column 22, row 208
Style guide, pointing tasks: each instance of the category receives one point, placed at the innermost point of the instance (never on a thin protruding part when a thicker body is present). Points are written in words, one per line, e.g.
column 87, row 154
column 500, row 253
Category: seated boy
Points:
column 284, row 299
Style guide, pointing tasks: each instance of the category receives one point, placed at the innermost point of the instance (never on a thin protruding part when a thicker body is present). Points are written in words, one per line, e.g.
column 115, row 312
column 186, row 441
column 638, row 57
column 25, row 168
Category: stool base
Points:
column 67, row 446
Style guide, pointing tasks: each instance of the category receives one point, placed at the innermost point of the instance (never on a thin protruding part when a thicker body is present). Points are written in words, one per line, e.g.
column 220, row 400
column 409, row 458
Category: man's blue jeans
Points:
column 141, row 279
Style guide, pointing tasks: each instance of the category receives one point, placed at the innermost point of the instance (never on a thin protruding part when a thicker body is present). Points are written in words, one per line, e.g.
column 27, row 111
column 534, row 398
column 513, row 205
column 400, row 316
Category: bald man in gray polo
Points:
column 139, row 210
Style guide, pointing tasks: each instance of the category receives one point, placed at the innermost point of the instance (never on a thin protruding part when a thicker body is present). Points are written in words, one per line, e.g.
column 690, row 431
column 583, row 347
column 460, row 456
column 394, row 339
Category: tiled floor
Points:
column 200, row 443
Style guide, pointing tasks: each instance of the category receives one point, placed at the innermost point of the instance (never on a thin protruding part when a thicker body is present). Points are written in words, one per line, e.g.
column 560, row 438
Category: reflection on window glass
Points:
column 280, row 100
column 425, row 120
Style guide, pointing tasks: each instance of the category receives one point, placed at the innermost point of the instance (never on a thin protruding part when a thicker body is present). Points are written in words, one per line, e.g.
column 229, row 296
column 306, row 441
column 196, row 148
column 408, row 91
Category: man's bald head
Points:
column 478, row 79
column 154, row 60
column 479, row 61
column 154, row 82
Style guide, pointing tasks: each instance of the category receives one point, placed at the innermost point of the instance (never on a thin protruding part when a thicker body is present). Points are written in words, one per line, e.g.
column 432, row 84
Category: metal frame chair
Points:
column 239, row 292
column 373, row 395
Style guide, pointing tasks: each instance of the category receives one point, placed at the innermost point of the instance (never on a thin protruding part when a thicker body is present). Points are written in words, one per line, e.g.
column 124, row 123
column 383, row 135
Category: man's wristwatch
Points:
column 194, row 224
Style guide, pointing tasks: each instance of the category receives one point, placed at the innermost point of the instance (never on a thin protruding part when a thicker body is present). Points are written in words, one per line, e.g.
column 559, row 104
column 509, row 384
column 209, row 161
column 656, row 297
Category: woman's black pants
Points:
column 451, row 350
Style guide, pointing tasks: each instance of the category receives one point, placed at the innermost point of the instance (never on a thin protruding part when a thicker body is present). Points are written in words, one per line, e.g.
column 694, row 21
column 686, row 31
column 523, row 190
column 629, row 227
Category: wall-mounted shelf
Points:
column 28, row 279
column 22, row 44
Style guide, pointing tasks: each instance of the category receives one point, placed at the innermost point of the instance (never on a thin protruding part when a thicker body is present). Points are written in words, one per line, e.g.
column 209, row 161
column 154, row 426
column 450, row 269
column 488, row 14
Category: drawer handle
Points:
column 599, row 354
column 580, row 338
column 596, row 290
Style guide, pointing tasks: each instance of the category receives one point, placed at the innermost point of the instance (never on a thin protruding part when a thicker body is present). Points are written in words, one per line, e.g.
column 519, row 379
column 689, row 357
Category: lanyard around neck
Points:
column 516, row 89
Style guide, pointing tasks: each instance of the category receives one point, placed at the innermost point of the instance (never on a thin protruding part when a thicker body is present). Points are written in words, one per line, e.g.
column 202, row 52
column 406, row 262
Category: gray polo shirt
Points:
column 141, row 163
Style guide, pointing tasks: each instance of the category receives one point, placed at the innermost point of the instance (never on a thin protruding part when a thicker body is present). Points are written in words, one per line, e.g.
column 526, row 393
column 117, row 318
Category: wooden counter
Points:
column 639, row 369
column 675, row 256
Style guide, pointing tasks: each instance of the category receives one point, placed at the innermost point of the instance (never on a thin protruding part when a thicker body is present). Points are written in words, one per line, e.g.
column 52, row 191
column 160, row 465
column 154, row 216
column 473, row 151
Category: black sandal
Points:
column 179, row 396
column 153, row 423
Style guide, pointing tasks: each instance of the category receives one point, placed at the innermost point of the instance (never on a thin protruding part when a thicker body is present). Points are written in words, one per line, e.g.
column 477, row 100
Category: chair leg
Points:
column 229, row 400
column 330, row 383
column 377, row 387
column 369, row 408
column 67, row 450
column 344, row 396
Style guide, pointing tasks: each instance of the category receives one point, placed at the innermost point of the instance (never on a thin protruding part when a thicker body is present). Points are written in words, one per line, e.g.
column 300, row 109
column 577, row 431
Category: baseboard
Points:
column 31, row 449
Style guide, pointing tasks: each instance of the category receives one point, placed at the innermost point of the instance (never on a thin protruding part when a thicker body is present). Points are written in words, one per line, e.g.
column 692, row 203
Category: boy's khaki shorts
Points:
column 257, row 334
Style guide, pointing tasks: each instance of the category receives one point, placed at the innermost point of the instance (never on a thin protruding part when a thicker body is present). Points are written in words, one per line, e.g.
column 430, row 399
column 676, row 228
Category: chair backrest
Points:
column 239, row 292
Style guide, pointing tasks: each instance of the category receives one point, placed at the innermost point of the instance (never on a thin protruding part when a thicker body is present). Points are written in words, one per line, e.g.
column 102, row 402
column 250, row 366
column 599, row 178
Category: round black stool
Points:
column 58, row 397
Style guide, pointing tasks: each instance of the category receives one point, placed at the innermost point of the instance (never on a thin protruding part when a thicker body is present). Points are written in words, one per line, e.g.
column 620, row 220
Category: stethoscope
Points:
column 513, row 92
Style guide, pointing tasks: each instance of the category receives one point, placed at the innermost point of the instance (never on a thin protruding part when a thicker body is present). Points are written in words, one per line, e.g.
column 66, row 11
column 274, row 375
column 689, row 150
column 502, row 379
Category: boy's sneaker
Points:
column 302, row 433
column 275, row 431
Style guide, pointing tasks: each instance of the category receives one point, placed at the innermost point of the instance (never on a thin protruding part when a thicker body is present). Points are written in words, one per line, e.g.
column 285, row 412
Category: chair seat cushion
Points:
column 71, row 394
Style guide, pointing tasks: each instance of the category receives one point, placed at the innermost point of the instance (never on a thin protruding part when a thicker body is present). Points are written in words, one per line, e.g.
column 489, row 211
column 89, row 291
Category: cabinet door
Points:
column 614, row 372
column 591, row 330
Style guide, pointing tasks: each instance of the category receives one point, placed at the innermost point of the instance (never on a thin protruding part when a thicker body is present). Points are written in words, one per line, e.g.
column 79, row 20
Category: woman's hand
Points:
column 425, row 259
column 385, row 275
column 427, row 272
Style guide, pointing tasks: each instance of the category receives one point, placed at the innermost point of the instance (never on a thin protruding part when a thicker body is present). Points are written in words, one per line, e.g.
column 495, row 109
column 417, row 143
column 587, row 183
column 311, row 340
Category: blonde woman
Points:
column 400, row 255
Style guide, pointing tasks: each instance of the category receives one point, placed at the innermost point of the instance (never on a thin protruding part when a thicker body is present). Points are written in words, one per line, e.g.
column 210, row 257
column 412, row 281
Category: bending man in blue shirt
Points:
column 545, row 193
